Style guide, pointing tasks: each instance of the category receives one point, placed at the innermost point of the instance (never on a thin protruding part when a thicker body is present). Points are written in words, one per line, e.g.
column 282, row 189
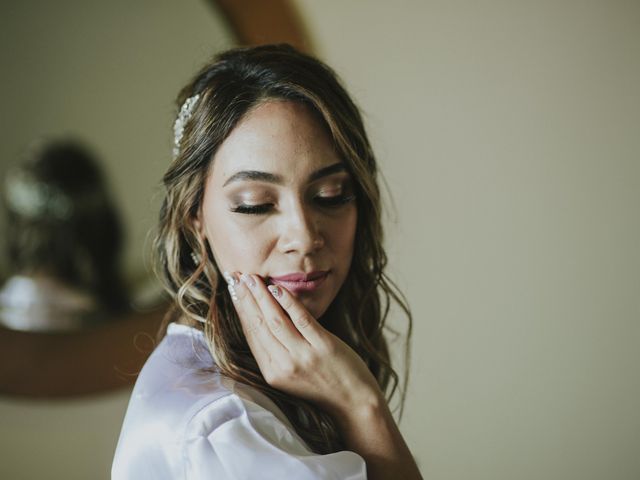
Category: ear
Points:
column 198, row 224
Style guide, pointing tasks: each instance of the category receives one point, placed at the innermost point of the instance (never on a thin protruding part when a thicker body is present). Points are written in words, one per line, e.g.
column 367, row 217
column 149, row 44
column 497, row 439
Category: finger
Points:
column 278, row 320
column 304, row 322
column 260, row 339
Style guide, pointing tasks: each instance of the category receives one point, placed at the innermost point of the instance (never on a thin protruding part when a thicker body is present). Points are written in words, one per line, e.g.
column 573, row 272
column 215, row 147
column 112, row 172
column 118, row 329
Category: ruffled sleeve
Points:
column 235, row 438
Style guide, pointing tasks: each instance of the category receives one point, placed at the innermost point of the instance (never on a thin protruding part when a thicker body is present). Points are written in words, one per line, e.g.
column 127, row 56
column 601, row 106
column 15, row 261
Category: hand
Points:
column 295, row 353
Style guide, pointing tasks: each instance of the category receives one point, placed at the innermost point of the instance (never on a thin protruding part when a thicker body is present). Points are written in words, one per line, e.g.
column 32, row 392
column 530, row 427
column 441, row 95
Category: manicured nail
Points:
column 248, row 280
column 231, row 280
column 232, row 291
column 275, row 290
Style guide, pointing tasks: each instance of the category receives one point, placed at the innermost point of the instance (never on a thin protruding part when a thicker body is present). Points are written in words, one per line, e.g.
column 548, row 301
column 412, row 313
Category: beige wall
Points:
column 508, row 134
column 62, row 439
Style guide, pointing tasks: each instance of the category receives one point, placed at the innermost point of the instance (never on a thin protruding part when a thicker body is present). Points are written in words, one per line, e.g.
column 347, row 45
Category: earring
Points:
column 195, row 258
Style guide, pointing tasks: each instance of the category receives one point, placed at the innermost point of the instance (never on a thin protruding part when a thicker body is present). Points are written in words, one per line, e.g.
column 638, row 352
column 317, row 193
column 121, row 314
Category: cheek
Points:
column 234, row 243
column 343, row 234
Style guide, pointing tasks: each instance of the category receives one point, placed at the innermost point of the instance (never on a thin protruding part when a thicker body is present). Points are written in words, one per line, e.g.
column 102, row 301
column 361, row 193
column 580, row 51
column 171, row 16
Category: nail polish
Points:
column 275, row 290
column 231, row 280
column 232, row 291
column 248, row 279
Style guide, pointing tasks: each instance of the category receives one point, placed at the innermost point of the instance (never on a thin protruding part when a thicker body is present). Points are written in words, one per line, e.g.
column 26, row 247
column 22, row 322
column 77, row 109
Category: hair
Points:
column 61, row 221
column 230, row 86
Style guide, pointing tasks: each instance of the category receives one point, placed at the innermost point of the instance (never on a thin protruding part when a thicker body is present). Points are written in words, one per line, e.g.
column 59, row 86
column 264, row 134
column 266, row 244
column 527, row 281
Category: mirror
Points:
column 106, row 74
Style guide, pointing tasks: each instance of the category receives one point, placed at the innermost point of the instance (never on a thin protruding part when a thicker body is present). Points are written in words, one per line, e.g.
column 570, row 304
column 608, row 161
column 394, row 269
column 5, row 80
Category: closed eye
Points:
column 253, row 209
column 326, row 202
column 334, row 201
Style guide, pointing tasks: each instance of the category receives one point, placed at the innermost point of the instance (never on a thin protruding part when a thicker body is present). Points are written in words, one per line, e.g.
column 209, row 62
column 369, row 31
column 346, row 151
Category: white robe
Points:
column 182, row 423
column 43, row 303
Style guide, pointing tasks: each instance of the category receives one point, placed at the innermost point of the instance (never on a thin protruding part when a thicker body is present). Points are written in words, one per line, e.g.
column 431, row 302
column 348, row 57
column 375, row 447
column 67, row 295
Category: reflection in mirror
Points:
column 106, row 73
column 64, row 241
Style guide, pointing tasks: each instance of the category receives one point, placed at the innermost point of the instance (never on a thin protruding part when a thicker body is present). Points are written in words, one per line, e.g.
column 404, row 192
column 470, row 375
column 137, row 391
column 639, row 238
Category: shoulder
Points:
column 178, row 380
column 181, row 386
column 245, row 436
column 186, row 420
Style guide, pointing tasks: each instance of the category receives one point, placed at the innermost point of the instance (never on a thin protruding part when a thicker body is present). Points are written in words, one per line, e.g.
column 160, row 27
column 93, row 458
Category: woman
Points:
column 281, row 370
column 64, row 242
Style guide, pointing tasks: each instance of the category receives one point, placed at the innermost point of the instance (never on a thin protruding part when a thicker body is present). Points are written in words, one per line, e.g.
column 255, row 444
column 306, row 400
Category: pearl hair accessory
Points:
column 181, row 121
column 31, row 198
column 34, row 199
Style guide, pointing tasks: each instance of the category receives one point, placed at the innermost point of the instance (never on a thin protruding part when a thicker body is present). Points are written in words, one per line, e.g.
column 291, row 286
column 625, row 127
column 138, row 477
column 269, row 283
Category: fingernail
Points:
column 231, row 280
column 232, row 291
column 275, row 290
column 248, row 280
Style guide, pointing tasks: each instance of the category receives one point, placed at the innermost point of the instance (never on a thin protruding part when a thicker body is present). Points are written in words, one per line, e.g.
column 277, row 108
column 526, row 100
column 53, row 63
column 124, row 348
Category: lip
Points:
column 301, row 277
column 300, row 282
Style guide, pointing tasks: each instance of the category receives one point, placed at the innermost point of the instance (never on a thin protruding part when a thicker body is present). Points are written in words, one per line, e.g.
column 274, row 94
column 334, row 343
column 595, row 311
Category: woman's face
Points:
column 279, row 201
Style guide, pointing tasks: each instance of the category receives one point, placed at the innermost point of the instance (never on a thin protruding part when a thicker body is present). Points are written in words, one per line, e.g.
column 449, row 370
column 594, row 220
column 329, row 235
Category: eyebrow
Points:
column 258, row 176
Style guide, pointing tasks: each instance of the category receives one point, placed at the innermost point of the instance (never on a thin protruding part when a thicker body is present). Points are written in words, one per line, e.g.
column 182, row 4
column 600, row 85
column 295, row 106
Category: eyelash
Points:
column 328, row 202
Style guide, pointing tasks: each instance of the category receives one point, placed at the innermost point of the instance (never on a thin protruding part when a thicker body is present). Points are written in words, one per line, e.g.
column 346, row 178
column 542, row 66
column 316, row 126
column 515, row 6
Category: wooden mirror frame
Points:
column 109, row 357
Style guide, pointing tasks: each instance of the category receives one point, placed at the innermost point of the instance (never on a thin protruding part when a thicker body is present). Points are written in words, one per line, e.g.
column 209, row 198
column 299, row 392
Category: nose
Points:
column 301, row 232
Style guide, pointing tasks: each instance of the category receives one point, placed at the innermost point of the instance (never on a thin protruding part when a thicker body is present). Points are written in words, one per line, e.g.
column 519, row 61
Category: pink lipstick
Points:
column 300, row 282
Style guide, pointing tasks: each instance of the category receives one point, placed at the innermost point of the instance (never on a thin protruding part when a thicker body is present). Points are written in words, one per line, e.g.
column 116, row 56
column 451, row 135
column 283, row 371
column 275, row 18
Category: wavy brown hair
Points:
column 233, row 83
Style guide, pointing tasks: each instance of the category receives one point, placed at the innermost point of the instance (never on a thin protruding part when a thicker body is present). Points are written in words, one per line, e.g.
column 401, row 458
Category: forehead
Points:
column 277, row 136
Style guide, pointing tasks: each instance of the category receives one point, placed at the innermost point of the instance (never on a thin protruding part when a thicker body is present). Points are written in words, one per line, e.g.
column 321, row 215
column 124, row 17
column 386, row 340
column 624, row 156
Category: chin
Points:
column 315, row 311
column 315, row 308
